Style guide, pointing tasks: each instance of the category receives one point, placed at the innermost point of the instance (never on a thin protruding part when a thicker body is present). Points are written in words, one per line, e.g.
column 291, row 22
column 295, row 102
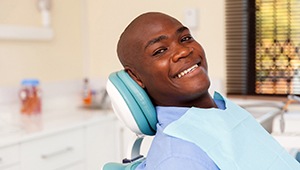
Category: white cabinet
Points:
column 101, row 144
column 126, row 139
column 85, row 141
column 78, row 166
column 9, row 157
column 53, row 152
column 14, row 167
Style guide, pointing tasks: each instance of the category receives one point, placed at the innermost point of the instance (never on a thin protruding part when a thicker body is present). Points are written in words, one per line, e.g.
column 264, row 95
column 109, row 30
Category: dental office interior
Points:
column 63, row 52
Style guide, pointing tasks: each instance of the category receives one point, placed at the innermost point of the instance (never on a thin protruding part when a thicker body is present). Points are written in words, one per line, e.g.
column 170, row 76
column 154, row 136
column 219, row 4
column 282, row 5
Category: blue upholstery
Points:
column 137, row 100
column 141, row 109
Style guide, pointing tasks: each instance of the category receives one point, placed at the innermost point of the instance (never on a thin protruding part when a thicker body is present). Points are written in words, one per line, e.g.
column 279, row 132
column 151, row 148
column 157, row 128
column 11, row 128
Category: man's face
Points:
column 172, row 66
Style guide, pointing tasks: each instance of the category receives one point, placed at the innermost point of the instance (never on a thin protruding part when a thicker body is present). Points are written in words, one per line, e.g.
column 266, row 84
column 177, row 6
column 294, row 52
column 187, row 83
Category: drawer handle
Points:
column 60, row 152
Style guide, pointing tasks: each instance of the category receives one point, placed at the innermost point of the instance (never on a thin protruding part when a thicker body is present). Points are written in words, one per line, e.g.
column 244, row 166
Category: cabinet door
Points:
column 77, row 166
column 14, row 167
column 9, row 157
column 54, row 151
column 126, row 140
column 101, row 144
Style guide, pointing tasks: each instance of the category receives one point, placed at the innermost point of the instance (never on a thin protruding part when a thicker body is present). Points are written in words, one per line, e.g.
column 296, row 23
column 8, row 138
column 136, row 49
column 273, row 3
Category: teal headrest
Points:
column 131, row 103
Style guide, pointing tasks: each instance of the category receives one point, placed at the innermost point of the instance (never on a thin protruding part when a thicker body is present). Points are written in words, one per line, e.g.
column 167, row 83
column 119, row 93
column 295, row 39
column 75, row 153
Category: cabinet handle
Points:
column 1, row 159
column 59, row 152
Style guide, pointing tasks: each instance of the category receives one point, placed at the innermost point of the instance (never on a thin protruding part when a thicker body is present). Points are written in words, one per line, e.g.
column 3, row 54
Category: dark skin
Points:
column 160, row 54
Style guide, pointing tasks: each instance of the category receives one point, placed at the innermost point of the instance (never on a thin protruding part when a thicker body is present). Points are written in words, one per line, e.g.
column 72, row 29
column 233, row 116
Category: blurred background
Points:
column 68, row 49
column 55, row 57
column 81, row 36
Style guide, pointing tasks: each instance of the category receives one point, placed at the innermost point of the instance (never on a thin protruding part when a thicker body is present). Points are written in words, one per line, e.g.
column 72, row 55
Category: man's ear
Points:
column 135, row 77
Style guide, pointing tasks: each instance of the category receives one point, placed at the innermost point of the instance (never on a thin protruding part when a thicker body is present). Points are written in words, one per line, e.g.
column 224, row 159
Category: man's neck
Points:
column 204, row 101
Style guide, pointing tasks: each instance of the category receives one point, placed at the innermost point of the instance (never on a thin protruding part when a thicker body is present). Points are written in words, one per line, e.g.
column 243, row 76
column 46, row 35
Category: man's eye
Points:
column 159, row 51
column 186, row 38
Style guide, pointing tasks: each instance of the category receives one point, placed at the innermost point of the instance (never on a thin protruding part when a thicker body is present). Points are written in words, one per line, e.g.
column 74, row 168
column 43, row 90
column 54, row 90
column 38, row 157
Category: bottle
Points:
column 30, row 97
column 87, row 93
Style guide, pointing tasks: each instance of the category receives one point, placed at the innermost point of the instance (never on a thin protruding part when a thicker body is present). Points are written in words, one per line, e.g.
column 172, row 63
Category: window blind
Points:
column 262, row 47
column 277, row 47
column 236, row 45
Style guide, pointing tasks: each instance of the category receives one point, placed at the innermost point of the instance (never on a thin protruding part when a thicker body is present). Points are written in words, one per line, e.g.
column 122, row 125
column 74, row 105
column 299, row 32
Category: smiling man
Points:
column 161, row 55
column 194, row 130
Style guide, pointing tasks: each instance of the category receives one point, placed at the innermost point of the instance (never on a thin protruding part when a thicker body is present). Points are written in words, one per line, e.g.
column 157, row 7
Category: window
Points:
column 262, row 47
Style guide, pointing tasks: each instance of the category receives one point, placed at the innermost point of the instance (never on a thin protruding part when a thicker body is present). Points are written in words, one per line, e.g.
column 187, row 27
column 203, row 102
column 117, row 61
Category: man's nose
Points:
column 181, row 52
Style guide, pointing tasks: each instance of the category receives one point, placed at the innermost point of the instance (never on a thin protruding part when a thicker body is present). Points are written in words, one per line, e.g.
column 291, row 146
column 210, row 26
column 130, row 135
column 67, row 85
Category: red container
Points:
column 30, row 97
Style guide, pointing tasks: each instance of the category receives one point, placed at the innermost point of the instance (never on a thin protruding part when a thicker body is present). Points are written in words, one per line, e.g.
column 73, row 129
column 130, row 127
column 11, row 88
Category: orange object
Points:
column 30, row 97
column 87, row 93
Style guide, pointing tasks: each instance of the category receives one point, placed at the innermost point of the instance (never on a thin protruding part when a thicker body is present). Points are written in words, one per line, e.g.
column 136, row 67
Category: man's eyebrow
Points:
column 181, row 29
column 162, row 37
column 155, row 40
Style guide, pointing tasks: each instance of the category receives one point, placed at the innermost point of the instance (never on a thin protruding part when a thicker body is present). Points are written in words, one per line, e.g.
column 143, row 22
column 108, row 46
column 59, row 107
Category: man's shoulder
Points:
column 167, row 150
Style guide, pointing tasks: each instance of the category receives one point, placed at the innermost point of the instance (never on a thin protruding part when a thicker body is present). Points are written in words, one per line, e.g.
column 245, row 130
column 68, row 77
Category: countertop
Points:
column 58, row 114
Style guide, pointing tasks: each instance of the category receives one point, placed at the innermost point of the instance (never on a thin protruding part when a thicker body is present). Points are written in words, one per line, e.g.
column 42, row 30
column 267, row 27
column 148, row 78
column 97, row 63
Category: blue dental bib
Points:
column 232, row 138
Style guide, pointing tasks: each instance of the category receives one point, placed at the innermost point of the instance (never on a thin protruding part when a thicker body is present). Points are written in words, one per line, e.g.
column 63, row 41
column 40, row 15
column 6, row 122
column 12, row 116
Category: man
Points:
column 160, row 54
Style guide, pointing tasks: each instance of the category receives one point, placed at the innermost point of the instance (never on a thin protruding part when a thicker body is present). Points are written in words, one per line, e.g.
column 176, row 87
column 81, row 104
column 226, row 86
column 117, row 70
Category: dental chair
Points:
column 132, row 105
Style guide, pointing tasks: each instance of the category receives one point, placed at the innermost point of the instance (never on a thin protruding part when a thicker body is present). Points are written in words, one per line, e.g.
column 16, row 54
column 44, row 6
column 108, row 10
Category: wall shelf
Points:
column 10, row 32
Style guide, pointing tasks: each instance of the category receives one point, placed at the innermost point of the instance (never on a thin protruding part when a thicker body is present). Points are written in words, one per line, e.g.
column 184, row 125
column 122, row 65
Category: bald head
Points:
column 162, row 57
column 132, row 40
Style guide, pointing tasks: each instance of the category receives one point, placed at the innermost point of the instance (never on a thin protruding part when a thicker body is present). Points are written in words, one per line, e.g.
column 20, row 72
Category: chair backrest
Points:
column 133, row 106
column 131, row 103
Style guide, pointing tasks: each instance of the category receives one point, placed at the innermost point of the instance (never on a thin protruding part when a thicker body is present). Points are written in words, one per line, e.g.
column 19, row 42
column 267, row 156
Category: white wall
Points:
column 57, row 59
column 86, row 33
column 107, row 19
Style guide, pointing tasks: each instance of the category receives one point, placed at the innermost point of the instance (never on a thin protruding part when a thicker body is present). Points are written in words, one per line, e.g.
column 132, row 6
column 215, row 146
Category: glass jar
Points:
column 30, row 97
column 86, row 93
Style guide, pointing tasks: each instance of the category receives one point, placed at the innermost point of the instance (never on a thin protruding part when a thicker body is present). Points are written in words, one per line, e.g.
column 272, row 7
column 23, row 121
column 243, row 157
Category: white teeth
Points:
column 183, row 73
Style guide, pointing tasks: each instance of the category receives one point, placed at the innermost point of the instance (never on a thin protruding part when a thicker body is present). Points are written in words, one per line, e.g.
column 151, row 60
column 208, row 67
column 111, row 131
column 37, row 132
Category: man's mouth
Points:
column 187, row 71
